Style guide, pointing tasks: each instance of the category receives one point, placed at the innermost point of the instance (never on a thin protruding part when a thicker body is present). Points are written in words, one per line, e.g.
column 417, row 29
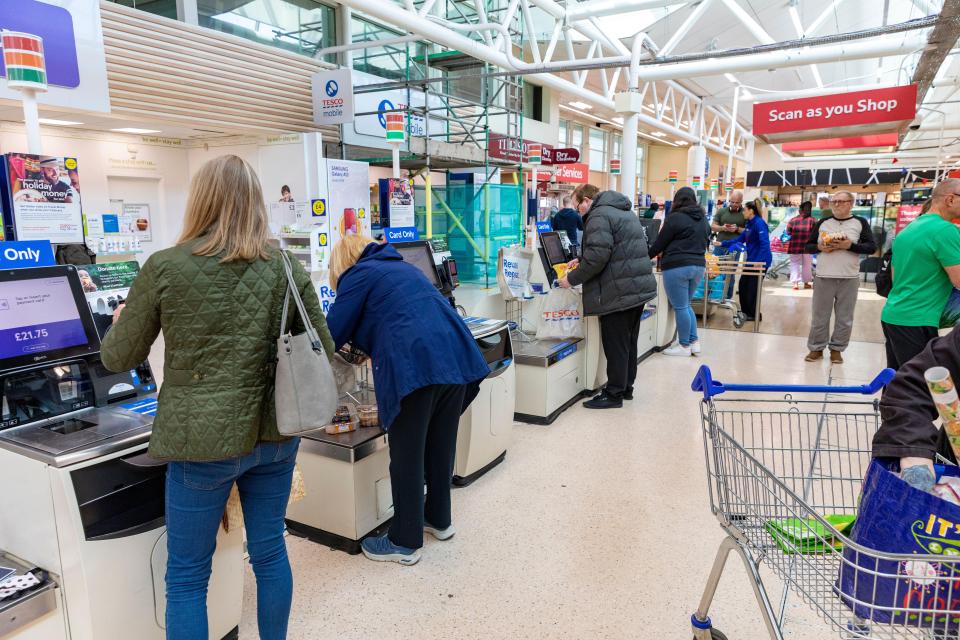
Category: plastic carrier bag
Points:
column 897, row 518
column 561, row 316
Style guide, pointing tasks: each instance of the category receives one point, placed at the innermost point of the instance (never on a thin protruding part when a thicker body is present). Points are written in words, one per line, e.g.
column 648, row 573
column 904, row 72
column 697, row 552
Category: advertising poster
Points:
column 135, row 220
column 400, row 200
column 106, row 287
column 44, row 194
column 348, row 198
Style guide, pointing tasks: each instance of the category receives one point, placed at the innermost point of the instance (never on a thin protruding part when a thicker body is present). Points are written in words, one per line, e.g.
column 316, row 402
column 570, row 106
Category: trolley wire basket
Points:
column 784, row 480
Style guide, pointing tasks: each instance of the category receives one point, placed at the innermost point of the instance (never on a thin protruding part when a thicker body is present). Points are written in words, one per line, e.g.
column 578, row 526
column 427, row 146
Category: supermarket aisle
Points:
column 597, row 526
column 787, row 312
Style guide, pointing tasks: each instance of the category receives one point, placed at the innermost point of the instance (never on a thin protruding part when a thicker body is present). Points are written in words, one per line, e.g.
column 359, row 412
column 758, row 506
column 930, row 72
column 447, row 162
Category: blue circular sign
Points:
column 385, row 105
column 332, row 88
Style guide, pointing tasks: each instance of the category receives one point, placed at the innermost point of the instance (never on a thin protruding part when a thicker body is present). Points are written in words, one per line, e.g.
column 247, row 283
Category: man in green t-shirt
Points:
column 925, row 268
column 728, row 223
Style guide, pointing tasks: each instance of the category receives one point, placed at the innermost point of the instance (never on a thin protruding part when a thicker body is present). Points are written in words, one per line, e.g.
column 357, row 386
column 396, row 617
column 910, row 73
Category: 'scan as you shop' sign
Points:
column 24, row 61
column 396, row 127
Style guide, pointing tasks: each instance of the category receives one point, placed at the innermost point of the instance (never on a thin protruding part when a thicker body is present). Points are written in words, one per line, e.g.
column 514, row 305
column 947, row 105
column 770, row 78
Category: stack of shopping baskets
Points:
column 786, row 466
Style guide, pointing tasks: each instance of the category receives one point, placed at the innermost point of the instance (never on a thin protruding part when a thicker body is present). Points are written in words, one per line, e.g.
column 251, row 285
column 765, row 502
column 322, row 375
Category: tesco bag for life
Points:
column 562, row 315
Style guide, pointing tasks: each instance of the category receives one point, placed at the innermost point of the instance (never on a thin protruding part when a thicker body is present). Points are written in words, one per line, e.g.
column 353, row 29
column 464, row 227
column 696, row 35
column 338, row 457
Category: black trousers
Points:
column 618, row 333
column 905, row 343
column 423, row 444
column 748, row 295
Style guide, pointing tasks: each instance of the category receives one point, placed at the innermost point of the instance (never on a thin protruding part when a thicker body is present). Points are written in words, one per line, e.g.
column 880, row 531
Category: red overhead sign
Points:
column 562, row 156
column 576, row 173
column 853, row 142
column 501, row 147
column 835, row 115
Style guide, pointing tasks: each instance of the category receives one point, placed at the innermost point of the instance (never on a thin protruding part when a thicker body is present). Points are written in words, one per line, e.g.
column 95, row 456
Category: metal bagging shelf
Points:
column 784, row 479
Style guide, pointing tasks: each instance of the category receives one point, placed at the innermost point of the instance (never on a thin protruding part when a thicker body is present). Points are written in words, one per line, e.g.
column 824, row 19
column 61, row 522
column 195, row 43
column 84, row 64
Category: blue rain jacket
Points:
column 756, row 237
column 389, row 310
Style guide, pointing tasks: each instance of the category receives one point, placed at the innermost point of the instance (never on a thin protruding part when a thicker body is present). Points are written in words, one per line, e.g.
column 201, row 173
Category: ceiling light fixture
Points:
column 59, row 123
column 682, row 142
column 580, row 105
column 618, row 119
column 135, row 130
column 660, row 134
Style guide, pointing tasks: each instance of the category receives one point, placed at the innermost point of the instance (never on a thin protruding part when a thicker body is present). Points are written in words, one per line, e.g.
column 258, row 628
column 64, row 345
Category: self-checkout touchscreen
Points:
column 37, row 316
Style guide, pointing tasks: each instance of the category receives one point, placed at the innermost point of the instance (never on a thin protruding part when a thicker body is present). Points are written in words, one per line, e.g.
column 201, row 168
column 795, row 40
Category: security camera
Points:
column 914, row 127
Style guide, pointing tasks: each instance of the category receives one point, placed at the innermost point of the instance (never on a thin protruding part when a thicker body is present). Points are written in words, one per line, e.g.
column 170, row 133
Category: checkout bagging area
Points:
column 82, row 537
column 559, row 353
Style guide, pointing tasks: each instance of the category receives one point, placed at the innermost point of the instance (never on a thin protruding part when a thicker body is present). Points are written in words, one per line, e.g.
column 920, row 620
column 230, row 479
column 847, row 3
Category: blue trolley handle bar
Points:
column 704, row 383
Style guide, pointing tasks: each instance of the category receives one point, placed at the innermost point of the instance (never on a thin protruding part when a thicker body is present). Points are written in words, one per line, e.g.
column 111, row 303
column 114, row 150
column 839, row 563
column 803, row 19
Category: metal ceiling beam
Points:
column 943, row 38
column 682, row 31
column 597, row 8
column 749, row 22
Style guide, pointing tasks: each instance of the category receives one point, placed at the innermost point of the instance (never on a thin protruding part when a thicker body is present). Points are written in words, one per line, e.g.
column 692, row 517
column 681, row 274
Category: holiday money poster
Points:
column 45, row 196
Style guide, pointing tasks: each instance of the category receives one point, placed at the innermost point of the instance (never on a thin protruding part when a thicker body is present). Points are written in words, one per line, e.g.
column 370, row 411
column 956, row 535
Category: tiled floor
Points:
column 787, row 312
column 597, row 526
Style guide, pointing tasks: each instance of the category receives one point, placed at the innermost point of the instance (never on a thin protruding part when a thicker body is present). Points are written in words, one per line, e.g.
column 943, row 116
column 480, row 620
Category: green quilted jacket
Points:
column 220, row 325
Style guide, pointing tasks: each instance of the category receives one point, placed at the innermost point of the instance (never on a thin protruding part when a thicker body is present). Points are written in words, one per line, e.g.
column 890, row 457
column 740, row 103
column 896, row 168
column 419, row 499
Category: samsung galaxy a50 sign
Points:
column 835, row 115
column 73, row 50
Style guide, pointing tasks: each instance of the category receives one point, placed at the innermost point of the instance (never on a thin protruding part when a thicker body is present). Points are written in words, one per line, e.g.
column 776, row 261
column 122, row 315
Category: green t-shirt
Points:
column 725, row 216
column 920, row 285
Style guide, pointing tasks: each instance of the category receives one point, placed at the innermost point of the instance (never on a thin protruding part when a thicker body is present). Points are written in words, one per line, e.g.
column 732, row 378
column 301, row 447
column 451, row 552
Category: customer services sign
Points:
column 836, row 115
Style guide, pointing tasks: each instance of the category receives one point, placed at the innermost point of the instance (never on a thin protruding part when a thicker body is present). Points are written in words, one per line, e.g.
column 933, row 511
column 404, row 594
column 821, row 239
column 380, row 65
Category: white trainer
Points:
column 695, row 348
column 439, row 534
column 677, row 350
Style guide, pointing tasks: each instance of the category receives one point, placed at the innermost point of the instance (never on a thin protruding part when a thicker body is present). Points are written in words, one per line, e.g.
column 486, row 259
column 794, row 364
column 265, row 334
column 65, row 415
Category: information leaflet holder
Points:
column 73, row 439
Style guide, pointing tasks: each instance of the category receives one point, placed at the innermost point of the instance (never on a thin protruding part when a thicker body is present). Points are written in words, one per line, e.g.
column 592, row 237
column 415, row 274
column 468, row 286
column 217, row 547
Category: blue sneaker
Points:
column 382, row 550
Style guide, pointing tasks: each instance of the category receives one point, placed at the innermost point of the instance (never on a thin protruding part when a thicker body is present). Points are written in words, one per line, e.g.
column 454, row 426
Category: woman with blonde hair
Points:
column 426, row 371
column 217, row 296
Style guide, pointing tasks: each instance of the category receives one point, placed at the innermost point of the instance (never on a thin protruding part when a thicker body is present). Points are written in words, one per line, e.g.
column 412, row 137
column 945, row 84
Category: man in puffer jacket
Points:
column 617, row 278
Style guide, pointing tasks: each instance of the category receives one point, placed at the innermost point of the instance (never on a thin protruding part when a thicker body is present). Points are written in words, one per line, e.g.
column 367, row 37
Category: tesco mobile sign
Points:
column 332, row 97
column 836, row 115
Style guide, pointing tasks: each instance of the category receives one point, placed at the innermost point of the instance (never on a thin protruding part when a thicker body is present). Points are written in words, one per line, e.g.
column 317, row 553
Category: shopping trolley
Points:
column 784, row 478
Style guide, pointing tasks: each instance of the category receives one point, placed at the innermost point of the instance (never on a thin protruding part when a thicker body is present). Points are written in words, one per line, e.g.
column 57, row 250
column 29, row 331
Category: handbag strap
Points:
column 295, row 293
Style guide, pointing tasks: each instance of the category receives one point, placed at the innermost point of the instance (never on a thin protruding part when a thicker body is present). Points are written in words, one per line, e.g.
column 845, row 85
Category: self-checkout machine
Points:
column 82, row 510
column 552, row 374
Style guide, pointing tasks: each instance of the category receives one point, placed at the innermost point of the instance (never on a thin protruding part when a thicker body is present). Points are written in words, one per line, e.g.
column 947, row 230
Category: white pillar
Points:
column 733, row 135
column 31, row 118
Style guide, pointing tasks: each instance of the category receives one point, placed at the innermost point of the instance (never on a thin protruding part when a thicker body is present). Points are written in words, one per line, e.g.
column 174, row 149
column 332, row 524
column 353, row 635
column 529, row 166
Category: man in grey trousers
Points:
column 840, row 239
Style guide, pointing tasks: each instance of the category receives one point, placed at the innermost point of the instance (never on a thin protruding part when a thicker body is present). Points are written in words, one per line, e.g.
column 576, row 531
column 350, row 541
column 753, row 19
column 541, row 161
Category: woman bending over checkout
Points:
column 427, row 369
column 218, row 298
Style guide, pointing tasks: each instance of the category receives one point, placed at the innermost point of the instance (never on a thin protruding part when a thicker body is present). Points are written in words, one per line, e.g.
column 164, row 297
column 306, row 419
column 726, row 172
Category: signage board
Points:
column 564, row 156
column 578, row 173
column 836, row 115
column 871, row 141
column 544, row 226
column 26, row 253
column 401, row 234
column 673, row 176
column 41, row 201
column 332, row 97
column 370, row 130
column 615, row 167
column 501, row 147
column 73, row 51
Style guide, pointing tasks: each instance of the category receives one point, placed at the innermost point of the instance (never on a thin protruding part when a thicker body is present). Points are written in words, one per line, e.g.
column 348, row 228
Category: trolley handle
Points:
column 704, row 383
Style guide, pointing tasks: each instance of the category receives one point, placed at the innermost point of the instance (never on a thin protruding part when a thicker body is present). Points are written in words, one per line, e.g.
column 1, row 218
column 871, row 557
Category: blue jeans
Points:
column 680, row 284
column 197, row 494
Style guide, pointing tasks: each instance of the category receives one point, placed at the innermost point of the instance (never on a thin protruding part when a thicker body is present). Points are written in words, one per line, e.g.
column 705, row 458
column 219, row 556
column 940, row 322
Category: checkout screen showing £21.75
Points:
column 37, row 316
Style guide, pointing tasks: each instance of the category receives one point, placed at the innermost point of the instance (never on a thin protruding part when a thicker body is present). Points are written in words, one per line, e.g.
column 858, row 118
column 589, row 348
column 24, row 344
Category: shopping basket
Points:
column 785, row 469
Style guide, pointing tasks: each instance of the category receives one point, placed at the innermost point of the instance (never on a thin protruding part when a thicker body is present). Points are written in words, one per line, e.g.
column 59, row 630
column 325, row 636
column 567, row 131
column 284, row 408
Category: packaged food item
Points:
column 944, row 395
column 344, row 420
column 369, row 415
column 827, row 238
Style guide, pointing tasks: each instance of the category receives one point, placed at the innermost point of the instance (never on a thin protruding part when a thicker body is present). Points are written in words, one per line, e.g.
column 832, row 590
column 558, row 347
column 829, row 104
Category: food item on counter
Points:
column 369, row 415
column 344, row 420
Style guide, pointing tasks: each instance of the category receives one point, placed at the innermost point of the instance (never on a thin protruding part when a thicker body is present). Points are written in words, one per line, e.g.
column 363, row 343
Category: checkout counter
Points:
column 347, row 475
column 82, row 505
column 552, row 375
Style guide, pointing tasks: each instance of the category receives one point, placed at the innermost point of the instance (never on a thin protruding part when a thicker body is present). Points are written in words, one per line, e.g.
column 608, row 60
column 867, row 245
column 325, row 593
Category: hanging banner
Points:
column 332, row 97
column 836, row 115
column 501, row 147
column 564, row 156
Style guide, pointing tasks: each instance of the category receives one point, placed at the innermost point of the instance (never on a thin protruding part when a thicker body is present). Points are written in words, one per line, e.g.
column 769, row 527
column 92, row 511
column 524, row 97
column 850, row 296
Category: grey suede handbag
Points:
column 306, row 390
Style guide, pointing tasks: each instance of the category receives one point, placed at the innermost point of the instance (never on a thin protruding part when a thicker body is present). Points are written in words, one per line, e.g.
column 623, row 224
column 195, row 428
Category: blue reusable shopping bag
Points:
column 716, row 289
column 896, row 518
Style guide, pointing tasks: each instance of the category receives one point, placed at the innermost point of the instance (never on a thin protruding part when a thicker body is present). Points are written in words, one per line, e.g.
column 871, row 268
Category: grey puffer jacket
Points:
column 614, row 270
